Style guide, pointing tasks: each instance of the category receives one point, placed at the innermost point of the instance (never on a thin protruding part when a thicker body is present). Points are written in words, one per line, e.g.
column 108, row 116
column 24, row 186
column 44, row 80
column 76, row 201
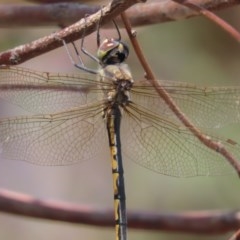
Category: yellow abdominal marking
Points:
column 117, row 231
column 114, row 161
column 115, row 183
column 116, row 206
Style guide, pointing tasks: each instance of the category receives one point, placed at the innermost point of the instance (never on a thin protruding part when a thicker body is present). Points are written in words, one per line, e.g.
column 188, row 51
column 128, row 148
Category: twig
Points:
column 235, row 236
column 203, row 222
column 25, row 52
column 206, row 140
column 212, row 17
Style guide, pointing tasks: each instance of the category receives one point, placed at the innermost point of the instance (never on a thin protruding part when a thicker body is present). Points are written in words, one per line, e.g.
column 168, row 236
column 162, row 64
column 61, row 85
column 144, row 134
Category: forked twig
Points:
column 25, row 52
column 87, row 25
column 206, row 140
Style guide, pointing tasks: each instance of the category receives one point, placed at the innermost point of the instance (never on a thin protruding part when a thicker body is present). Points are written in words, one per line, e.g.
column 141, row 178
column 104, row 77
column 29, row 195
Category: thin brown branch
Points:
column 206, row 140
column 56, row 14
column 165, row 11
column 235, row 236
column 203, row 222
column 212, row 17
column 87, row 25
column 136, row 46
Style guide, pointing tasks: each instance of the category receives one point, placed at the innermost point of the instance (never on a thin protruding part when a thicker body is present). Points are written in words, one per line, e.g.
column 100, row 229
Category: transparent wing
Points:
column 169, row 148
column 55, row 139
column 207, row 107
column 152, row 135
column 42, row 92
column 39, row 92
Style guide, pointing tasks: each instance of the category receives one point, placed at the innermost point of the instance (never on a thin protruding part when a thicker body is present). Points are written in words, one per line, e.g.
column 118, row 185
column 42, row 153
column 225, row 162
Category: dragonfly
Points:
column 74, row 117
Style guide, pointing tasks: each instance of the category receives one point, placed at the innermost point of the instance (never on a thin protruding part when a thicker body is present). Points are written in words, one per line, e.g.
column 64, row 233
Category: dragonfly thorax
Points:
column 116, row 82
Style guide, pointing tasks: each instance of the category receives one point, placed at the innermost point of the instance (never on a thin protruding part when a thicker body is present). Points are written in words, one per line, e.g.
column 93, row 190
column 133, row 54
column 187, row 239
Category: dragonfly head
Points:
column 112, row 51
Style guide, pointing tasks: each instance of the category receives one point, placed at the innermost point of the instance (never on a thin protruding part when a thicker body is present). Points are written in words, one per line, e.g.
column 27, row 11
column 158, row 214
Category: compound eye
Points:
column 112, row 51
